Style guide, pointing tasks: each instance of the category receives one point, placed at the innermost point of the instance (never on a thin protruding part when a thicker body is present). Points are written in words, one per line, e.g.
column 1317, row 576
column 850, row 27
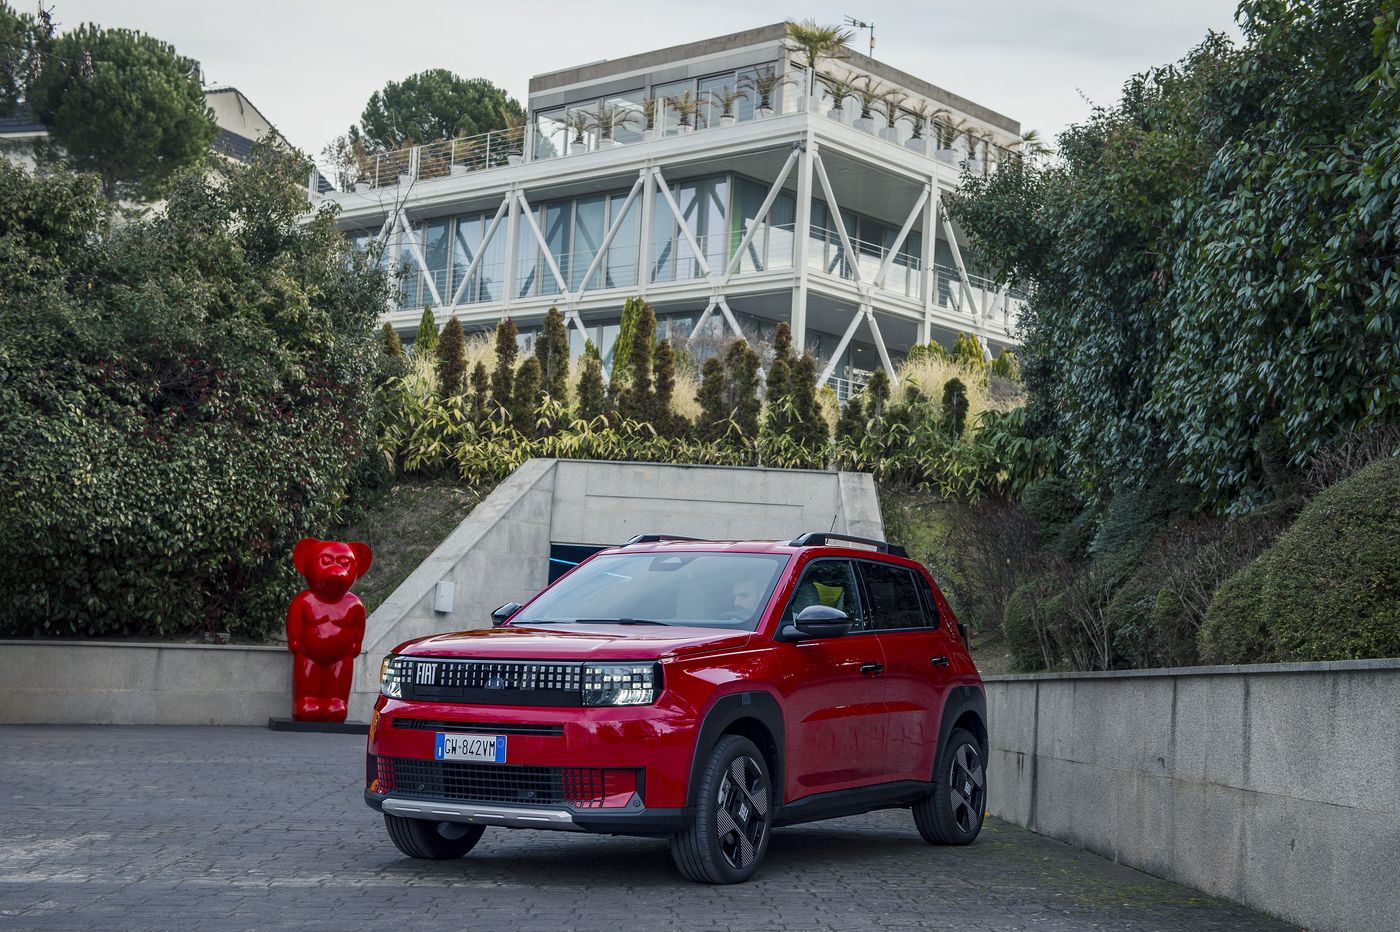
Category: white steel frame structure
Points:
column 802, row 154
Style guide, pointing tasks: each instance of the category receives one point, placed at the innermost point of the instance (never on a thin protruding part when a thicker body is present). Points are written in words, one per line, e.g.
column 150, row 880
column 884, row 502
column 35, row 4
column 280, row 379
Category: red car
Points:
column 705, row 691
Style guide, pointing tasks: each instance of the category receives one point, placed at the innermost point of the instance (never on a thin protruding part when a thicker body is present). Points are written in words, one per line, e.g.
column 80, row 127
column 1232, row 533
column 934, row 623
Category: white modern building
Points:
column 631, row 177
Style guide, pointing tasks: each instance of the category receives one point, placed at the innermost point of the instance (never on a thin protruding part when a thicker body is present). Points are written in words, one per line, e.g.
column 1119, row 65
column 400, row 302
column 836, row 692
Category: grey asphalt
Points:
column 242, row 828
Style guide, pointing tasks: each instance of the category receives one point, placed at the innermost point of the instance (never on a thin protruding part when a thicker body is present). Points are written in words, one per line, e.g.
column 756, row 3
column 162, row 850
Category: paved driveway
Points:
column 242, row 828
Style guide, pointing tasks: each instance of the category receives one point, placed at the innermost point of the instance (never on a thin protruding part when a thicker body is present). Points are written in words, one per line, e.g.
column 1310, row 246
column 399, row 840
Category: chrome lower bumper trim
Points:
column 479, row 814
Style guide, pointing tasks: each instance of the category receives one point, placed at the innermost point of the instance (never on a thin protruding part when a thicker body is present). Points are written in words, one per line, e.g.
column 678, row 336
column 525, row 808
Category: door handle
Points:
column 940, row 661
column 872, row 669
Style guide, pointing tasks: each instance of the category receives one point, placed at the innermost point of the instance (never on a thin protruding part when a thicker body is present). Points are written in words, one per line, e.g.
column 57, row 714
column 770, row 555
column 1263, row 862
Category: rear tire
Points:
column 728, row 836
column 952, row 815
column 433, row 841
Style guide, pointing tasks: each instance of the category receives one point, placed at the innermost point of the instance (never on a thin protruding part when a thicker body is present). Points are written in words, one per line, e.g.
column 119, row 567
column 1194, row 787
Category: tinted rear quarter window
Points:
column 894, row 597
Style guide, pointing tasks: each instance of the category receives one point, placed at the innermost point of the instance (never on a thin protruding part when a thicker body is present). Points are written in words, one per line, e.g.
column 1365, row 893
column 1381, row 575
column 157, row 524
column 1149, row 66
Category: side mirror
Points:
column 817, row 621
column 500, row 615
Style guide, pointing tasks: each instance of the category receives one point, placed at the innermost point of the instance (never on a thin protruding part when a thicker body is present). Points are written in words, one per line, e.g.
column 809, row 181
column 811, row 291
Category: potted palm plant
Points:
column 651, row 109
column 947, row 128
column 891, row 108
column 917, row 140
column 513, row 137
column 686, row 106
column 840, row 87
column 815, row 43
column 609, row 117
column 578, row 123
column 764, row 82
column 868, row 91
column 725, row 98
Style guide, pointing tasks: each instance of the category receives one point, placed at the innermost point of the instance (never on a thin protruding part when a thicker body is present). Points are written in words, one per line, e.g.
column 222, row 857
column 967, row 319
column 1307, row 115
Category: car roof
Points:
column 757, row 546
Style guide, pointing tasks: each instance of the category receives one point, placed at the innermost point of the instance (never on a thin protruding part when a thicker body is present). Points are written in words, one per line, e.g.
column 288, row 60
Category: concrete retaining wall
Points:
column 106, row 683
column 1277, row 786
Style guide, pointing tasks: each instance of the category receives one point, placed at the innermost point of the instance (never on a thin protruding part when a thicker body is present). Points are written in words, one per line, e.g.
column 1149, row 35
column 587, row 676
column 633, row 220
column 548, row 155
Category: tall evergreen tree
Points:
column 507, row 349
column 425, row 341
column 633, row 316
column 809, row 428
column 781, row 414
column 552, row 350
column 635, row 392
column 525, row 396
column 851, row 423
column 451, row 359
column 389, row 339
column 481, row 392
column 662, row 418
column 741, row 386
column 877, row 393
column 713, row 412
column 955, row 408
column 591, row 403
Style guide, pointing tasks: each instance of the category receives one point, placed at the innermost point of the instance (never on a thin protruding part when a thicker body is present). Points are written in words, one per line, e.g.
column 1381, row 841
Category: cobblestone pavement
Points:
column 243, row 828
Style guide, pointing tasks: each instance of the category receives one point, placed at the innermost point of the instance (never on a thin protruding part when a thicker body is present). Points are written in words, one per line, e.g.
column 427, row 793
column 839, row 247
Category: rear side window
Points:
column 894, row 597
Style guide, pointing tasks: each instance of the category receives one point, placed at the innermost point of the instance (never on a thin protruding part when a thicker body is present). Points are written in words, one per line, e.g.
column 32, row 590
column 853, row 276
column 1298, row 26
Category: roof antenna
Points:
column 833, row 522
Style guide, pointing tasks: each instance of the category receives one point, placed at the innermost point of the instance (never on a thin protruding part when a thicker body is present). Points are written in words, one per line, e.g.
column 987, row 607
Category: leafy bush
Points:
column 185, row 396
column 1328, row 589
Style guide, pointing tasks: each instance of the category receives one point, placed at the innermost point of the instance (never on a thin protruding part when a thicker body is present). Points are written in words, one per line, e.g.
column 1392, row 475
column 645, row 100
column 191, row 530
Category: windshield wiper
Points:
column 618, row 621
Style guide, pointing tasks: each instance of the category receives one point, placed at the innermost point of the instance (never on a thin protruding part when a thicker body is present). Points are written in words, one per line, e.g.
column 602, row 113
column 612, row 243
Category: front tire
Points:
column 952, row 815
column 728, row 837
column 433, row 841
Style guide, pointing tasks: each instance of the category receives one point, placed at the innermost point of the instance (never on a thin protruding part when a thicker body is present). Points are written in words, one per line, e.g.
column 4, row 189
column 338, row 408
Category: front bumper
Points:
column 631, row 820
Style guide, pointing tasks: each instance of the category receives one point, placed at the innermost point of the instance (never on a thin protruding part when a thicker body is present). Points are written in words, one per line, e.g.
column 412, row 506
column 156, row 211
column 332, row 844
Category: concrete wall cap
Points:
column 1321, row 666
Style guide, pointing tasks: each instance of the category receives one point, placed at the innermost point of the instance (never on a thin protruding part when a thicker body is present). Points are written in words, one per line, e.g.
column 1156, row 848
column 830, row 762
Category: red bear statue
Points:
column 325, row 625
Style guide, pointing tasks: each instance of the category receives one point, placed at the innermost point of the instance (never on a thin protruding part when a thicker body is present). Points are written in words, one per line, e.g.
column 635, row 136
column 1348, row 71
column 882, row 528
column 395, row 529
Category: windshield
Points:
column 707, row 590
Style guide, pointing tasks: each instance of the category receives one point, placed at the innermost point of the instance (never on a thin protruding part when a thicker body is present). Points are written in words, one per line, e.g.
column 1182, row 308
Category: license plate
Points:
column 487, row 748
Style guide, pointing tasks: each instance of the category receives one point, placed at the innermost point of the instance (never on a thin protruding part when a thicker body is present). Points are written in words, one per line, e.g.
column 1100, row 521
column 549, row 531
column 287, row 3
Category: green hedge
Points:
column 1328, row 589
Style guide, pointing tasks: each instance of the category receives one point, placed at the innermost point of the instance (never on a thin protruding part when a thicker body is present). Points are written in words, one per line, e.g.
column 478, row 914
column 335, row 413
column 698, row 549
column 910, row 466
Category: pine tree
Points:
column 481, row 392
column 526, row 396
column 451, row 359
column 1006, row 365
column 503, row 379
column 662, row 418
column 552, row 350
column 955, row 408
column 426, row 339
column 968, row 351
column 741, row 386
column 393, row 346
column 851, row 423
column 591, row 403
column 591, row 352
column 713, row 412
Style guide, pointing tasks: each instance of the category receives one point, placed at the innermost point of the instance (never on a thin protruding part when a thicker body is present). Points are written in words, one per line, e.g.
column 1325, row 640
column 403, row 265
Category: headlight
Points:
column 621, row 683
column 393, row 673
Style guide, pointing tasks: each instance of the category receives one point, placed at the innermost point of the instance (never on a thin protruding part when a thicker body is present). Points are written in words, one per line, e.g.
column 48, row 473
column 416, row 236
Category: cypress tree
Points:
column 851, row 422
column 622, row 349
column 552, row 350
column 526, row 396
column 741, row 386
column 481, row 392
column 665, row 372
column 426, row 339
column 955, row 408
column 877, row 393
column 591, row 402
column 451, row 359
column 393, row 346
column 503, row 379
column 809, row 428
column 713, row 412
column 635, row 392
column 781, row 414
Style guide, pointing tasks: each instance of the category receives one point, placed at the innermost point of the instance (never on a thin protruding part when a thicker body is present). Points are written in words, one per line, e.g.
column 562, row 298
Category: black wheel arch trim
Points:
column 759, row 705
column 963, row 699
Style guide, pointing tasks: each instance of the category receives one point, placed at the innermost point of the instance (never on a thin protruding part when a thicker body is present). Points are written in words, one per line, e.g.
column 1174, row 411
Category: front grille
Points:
column 488, row 728
column 488, row 682
column 586, row 787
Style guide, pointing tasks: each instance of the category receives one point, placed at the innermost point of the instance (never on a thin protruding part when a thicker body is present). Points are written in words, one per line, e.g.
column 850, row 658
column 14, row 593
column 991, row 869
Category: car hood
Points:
column 575, row 642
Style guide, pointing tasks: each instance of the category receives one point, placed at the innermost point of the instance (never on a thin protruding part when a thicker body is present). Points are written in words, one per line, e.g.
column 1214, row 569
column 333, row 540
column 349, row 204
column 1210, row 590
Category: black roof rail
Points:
column 659, row 538
column 821, row 538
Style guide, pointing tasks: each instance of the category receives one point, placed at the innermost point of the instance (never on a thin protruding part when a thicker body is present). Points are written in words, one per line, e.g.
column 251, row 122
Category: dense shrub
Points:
column 1328, row 589
column 184, row 396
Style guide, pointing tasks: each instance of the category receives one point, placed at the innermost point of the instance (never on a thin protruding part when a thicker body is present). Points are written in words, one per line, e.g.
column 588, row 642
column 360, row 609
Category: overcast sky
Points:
column 310, row 66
